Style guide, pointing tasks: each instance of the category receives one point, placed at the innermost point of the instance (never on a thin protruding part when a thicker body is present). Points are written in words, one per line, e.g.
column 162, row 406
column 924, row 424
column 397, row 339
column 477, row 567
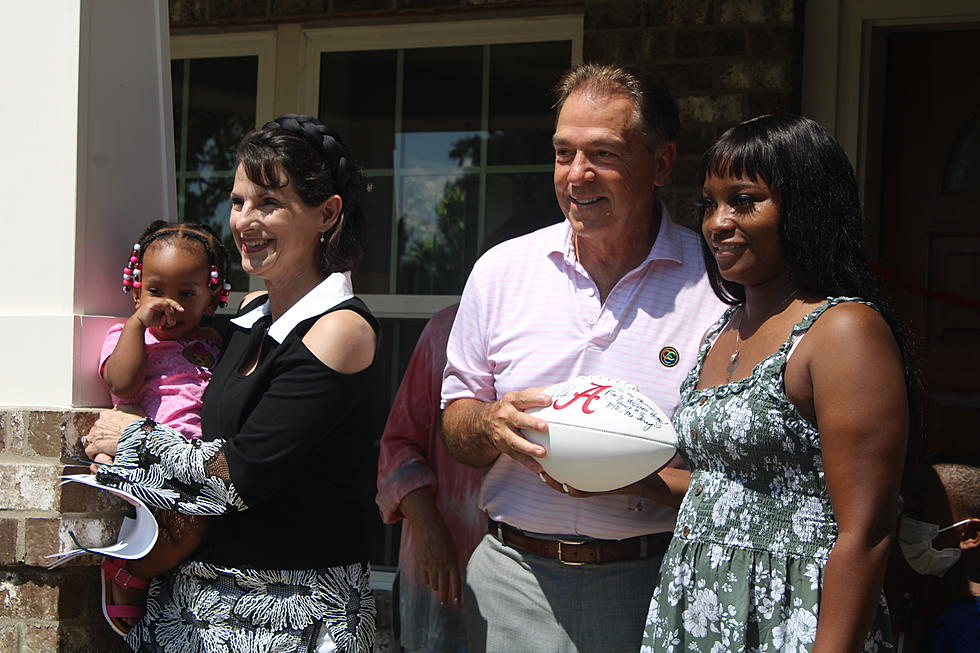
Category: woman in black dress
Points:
column 283, row 565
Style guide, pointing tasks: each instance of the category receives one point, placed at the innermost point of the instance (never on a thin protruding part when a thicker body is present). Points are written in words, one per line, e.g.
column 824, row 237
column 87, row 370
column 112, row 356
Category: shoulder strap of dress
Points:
column 800, row 328
column 711, row 335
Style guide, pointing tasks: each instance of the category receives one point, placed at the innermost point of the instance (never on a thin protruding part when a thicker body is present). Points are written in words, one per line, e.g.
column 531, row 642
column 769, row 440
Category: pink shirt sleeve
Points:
column 468, row 374
column 413, row 422
column 109, row 345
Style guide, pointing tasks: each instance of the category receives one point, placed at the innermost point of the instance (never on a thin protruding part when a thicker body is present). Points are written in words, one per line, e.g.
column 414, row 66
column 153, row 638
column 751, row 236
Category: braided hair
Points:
column 318, row 165
column 161, row 231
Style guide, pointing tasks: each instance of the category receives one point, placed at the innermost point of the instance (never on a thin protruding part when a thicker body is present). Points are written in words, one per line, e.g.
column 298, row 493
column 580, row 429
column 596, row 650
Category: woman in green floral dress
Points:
column 795, row 444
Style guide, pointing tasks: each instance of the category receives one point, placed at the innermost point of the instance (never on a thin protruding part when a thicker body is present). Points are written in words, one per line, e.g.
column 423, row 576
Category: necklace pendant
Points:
column 732, row 364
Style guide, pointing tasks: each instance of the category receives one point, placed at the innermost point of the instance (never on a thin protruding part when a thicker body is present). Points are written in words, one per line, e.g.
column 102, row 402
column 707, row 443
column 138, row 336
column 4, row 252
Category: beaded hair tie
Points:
column 132, row 270
column 214, row 282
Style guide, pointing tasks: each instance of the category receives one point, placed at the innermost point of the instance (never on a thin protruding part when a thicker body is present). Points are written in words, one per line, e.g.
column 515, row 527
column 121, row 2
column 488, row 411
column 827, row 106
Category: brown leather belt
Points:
column 581, row 552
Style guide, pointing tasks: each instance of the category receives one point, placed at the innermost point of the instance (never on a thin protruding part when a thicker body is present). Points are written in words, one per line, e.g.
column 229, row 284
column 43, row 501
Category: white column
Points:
column 88, row 162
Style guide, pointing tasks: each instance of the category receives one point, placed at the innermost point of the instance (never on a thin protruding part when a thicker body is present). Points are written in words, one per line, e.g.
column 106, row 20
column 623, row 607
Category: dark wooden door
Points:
column 928, row 245
column 929, row 225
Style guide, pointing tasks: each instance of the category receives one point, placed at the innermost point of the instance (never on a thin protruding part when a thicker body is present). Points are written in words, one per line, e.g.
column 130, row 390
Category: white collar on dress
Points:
column 328, row 293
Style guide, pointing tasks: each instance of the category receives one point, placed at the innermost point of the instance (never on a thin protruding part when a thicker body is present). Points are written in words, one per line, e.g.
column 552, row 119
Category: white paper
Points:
column 136, row 536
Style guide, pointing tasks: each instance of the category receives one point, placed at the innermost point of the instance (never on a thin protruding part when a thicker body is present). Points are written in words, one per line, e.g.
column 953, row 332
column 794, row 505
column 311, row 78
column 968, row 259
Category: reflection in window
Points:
column 214, row 107
column 433, row 239
column 441, row 108
column 963, row 167
column 456, row 141
column 521, row 80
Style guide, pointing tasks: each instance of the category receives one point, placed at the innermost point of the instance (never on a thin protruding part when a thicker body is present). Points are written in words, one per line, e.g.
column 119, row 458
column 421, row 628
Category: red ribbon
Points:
column 947, row 297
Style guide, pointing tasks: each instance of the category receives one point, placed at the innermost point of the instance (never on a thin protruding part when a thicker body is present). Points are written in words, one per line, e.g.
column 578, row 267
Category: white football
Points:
column 603, row 434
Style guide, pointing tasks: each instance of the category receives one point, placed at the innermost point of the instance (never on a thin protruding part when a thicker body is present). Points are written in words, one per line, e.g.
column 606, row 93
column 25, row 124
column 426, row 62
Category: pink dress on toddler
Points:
column 177, row 374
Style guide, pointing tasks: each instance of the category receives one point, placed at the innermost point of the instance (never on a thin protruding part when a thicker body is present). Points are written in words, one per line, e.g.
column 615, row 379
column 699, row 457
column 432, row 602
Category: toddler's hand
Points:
column 157, row 312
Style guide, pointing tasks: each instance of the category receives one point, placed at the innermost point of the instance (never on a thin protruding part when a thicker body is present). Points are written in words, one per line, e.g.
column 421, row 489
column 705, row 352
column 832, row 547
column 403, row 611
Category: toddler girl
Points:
column 159, row 361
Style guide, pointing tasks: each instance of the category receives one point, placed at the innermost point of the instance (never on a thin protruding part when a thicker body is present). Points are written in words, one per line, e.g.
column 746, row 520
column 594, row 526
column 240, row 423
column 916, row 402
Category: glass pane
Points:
column 398, row 338
column 221, row 110
column 441, row 108
column 436, row 238
column 177, row 91
column 371, row 276
column 518, row 204
column 207, row 202
column 357, row 98
column 521, row 118
column 963, row 167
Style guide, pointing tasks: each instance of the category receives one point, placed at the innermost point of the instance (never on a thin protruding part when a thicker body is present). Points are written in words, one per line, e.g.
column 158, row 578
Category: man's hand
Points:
column 433, row 545
column 477, row 432
column 501, row 423
column 564, row 488
column 436, row 558
column 666, row 486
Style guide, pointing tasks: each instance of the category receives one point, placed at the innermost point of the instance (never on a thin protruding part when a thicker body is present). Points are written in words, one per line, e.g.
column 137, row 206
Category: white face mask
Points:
column 915, row 539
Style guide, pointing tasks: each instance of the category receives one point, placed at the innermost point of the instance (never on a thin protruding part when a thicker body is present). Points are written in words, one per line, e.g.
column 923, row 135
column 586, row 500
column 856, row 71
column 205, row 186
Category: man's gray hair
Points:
column 655, row 112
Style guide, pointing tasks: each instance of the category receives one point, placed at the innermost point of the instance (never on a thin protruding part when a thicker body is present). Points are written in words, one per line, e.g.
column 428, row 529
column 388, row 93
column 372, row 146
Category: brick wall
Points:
column 42, row 610
column 724, row 60
column 45, row 610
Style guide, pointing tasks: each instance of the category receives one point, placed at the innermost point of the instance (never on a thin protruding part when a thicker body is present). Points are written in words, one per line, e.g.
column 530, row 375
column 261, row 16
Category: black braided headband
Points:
column 338, row 156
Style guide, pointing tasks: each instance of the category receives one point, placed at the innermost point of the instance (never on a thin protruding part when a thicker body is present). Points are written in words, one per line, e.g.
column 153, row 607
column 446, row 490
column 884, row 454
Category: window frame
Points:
column 480, row 32
column 240, row 44
column 261, row 44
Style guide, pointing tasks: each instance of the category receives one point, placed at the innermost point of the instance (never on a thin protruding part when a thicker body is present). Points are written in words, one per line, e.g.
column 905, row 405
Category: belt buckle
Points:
column 566, row 562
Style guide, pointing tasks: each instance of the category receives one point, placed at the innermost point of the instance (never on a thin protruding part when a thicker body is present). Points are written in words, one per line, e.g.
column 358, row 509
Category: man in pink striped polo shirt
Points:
column 616, row 289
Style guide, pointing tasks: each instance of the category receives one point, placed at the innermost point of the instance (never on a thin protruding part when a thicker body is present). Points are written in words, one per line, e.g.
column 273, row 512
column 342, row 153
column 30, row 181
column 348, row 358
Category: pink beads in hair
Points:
column 131, row 271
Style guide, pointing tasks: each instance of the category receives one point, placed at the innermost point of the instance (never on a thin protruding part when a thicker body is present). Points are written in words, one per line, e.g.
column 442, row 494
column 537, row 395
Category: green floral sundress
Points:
column 744, row 569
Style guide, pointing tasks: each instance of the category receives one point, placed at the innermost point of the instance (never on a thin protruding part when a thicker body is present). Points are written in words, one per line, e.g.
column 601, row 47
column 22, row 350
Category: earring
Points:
column 323, row 238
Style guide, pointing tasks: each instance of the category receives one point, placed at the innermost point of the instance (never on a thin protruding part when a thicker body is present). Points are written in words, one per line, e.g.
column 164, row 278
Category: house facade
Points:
column 120, row 112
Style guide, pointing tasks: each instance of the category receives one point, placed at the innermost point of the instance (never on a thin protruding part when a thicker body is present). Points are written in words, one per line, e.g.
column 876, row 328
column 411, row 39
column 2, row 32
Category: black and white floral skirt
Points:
column 202, row 608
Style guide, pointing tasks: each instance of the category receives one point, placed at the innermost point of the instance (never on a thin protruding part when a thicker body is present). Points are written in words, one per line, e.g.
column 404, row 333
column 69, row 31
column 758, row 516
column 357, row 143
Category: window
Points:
column 453, row 125
column 221, row 90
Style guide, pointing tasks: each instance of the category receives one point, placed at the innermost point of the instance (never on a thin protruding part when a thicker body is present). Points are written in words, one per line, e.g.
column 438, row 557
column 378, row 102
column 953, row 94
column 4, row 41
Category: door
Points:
column 928, row 244
column 929, row 248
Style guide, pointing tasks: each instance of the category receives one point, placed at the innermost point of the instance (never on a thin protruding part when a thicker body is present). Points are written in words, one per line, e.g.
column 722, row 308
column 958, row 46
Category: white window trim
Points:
column 419, row 307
